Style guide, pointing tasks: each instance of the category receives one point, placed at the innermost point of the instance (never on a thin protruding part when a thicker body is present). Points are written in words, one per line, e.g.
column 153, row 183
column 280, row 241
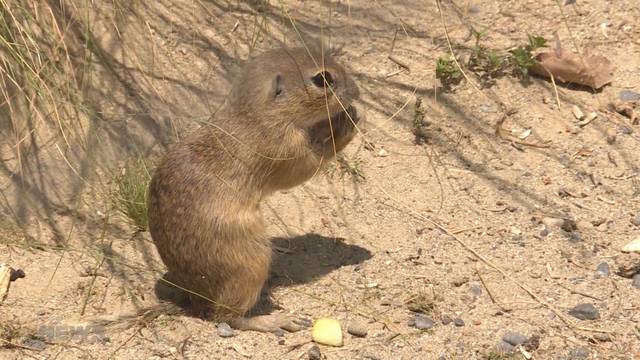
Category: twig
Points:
column 493, row 299
column 9, row 343
column 400, row 63
column 579, row 292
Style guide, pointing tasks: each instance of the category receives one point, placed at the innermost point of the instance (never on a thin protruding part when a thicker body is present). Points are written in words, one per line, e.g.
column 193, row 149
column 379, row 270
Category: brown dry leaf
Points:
column 594, row 71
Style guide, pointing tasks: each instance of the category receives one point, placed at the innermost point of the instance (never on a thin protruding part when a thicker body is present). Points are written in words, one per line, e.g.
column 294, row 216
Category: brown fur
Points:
column 273, row 133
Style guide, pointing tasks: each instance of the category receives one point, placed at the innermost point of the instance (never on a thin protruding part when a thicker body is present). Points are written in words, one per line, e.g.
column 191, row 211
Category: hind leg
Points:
column 240, row 294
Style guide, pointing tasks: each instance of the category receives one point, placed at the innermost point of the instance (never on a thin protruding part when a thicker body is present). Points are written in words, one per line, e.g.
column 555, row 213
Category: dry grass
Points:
column 130, row 192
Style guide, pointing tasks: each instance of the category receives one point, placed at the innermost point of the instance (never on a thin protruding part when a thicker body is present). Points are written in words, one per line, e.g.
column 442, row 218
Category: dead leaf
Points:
column 594, row 71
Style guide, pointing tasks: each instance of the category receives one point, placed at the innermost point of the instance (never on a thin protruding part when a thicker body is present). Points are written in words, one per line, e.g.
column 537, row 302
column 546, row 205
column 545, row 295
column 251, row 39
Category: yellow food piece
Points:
column 327, row 331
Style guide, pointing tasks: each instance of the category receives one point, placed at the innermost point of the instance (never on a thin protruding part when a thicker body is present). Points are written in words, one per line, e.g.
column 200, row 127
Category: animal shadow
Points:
column 296, row 260
column 305, row 258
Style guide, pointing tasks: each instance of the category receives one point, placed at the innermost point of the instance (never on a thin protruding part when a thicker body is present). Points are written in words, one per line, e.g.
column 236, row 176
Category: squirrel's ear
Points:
column 277, row 87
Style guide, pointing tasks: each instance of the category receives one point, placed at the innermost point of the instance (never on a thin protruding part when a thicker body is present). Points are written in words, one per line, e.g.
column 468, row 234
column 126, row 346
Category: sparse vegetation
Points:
column 447, row 72
column 485, row 63
column 488, row 65
column 419, row 122
column 130, row 192
column 522, row 57
column 353, row 168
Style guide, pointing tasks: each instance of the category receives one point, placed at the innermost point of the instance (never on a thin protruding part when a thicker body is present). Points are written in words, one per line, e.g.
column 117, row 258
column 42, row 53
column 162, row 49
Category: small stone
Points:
column 612, row 135
column 383, row 153
column 357, row 328
column 635, row 281
column 544, row 232
column 602, row 337
column 628, row 95
column 603, row 227
column 636, row 220
column 513, row 338
column 585, row 312
column 224, row 330
column 458, row 322
column 314, row 353
column 603, row 269
column 575, row 236
column 446, row 319
column 476, row 289
column 552, row 223
column 577, row 112
column 504, row 347
column 568, row 225
column 34, row 344
column 17, row 274
column 579, row 353
column 632, row 247
column 421, row 322
column 584, row 225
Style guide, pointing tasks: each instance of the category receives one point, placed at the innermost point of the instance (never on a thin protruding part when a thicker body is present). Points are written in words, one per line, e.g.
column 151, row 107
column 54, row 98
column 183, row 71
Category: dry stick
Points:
column 493, row 299
column 24, row 347
column 488, row 262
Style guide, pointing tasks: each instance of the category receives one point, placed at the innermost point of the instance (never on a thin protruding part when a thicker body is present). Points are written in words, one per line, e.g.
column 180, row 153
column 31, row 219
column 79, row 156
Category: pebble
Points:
column 552, row 223
column 568, row 225
column 628, row 95
column 579, row 353
column 602, row 337
column 636, row 220
column 584, row 225
column 314, row 353
column 357, row 328
column 458, row 322
column 513, row 338
column 504, row 347
column 585, row 311
column 421, row 322
column 575, row 236
column 16, row 274
column 603, row 270
column 476, row 289
column 224, row 330
column 633, row 246
column 34, row 344
column 446, row 319
column 635, row 281
column 612, row 135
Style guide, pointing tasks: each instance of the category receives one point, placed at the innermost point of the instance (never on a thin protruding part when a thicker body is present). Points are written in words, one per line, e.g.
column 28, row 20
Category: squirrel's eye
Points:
column 320, row 78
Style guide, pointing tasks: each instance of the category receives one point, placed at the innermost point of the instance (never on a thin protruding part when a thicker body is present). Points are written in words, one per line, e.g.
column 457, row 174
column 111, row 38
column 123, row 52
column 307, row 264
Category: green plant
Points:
column 350, row 167
column 522, row 57
column 448, row 72
column 485, row 63
column 130, row 192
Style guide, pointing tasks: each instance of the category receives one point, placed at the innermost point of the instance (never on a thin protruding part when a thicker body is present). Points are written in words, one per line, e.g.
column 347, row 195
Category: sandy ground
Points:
column 454, row 227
